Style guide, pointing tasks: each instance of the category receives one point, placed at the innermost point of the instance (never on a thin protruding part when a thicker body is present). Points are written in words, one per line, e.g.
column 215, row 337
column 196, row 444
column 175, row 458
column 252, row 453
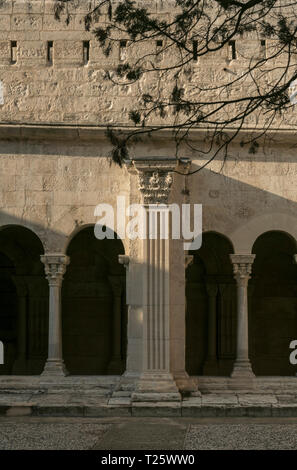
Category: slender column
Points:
column 116, row 364
column 184, row 382
column 55, row 267
column 19, row 365
column 211, row 366
column 242, row 267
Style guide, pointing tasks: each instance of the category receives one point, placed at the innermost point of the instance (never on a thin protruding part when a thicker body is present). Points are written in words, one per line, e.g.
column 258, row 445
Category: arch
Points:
column 211, row 308
column 30, row 229
column 23, row 301
column 93, row 306
column 273, row 303
column 245, row 236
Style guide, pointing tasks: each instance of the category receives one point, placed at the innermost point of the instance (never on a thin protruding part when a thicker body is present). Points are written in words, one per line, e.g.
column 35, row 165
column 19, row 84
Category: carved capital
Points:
column 55, row 267
column 155, row 179
column 124, row 260
column 242, row 267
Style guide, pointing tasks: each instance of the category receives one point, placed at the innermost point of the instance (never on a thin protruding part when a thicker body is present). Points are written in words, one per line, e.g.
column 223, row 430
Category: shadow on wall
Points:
column 92, row 288
column 89, row 283
column 242, row 215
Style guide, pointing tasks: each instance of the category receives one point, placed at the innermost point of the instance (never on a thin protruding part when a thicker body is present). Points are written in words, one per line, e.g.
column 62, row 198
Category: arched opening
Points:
column 273, row 304
column 94, row 314
column 211, row 308
column 23, row 302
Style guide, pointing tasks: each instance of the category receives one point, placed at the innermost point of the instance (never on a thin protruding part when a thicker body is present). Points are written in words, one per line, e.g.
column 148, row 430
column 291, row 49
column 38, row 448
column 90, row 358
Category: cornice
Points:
column 90, row 133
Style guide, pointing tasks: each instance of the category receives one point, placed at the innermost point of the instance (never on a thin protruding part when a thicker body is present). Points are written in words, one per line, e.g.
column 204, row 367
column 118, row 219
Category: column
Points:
column 156, row 382
column 184, row 382
column 242, row 267
column 211, row 365
column 116, row 363
column 55, row 267
column 20, row 364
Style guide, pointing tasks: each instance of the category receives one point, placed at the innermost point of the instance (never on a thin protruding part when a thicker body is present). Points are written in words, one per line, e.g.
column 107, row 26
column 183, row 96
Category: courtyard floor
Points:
column 36, row 433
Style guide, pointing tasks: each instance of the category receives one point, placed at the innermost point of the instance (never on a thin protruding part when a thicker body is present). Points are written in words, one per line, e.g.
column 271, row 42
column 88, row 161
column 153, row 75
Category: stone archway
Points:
column 94, row 313
column 23, row 302
column 273, row 304
column 211, row 308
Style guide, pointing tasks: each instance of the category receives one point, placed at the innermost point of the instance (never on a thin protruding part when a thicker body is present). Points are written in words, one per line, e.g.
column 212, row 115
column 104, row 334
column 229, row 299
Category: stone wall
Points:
column 67, row 90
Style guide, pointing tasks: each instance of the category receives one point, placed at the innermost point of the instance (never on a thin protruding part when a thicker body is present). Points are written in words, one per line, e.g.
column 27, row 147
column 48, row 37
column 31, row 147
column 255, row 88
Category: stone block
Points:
column 156, row 409
column 26, row 22
column 58, row 410
column 19, row 410
column 4, row 22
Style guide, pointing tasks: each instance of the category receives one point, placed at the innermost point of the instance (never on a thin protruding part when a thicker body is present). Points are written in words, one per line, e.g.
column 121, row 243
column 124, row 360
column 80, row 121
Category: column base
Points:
column 54, row 368
column 185, row 383
column 156, row 387
column 242, row 376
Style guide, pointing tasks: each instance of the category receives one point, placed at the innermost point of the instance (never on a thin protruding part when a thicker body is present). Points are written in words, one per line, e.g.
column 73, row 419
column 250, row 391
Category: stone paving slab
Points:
column 144, row 436
column 253, row 399
column 207, row 405
column 164, row 409
column 213, row 399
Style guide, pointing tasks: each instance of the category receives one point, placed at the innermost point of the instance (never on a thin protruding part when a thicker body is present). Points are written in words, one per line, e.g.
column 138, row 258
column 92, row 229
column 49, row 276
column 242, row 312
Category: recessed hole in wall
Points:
column 13, row 52
column 123, row 49
column 50, row 46
column 232, row 49
column 195, row 50
column 86, row 51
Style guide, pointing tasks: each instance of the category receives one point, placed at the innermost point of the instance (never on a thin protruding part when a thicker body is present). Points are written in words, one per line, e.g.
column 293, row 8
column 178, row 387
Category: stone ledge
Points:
column 88, row 133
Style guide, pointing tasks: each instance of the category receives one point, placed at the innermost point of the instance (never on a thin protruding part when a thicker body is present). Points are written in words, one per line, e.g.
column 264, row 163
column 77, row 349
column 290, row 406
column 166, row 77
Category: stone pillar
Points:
column 55, row 267
column 116, row 363
column 156, row 382
column 184, row 382
column 20, row 364
column 211, row 364
column 242, row 267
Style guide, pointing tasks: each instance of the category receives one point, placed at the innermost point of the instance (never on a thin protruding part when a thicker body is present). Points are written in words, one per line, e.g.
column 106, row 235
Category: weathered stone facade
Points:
column 153, row 326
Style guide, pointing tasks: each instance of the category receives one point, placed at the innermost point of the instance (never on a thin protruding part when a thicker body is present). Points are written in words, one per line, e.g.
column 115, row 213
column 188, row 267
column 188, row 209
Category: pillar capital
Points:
column 54, row 266
column 155, row 179
column 242, row 267
column 124, row 260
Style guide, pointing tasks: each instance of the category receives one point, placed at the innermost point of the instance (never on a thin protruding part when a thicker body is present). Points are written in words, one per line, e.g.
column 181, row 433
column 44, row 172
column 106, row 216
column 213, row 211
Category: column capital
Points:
column 54, row 266
column 124, row 260
column 155, row 179
column 242, row 267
